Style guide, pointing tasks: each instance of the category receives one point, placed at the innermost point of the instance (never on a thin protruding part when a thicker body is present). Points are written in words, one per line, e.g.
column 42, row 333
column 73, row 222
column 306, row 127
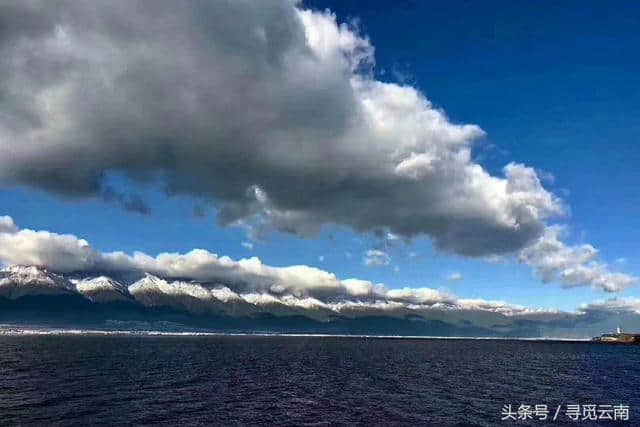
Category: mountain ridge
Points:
column 31, row 295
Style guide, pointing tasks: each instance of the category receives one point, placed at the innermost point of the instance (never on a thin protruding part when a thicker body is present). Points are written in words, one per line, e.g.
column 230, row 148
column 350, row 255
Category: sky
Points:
column 473, row 150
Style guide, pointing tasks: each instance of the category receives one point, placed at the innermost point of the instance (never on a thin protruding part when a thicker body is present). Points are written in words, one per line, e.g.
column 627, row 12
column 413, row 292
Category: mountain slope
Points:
column 19, row 281
column 32, row 295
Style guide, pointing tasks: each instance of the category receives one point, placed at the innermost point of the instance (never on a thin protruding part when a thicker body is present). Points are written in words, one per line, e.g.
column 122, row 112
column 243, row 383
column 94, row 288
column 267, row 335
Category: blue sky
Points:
column 554, row 87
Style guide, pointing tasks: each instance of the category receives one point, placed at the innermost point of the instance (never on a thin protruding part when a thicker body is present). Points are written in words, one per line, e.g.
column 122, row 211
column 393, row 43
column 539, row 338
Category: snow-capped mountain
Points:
column 36, row 295
column 153, row 291
column 17, row 281
column 102, row 289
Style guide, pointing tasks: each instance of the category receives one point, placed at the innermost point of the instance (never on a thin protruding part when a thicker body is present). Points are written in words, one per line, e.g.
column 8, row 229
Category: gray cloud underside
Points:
column 201, row 282
column 268, row 111
column 261, row 107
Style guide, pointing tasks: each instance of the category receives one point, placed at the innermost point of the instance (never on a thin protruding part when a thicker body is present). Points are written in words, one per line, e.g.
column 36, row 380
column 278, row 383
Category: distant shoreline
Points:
column 6, row 330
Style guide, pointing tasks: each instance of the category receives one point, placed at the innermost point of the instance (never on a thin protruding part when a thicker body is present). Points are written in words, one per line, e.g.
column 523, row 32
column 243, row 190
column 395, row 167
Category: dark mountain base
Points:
column 71, row 311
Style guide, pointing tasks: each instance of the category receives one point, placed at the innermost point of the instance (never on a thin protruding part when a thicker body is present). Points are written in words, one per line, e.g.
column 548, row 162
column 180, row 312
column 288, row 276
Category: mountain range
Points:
column 35, row 296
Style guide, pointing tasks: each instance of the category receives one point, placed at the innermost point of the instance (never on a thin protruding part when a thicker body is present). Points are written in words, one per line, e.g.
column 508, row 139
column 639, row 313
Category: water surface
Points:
column 252, row 380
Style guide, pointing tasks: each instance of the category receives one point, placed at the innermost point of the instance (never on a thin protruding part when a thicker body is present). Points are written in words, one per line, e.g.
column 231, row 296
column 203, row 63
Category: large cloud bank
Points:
column 206, row 276
column 69, row 254
column 264, row 109
column 66, row 253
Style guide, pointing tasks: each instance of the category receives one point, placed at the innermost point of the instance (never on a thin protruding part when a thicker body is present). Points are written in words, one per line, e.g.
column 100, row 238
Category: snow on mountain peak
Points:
column 102, row 289
column 18, row 280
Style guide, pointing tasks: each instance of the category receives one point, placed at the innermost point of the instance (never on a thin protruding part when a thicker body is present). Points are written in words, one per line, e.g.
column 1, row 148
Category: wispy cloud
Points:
column 454, row 277
column 376, row 258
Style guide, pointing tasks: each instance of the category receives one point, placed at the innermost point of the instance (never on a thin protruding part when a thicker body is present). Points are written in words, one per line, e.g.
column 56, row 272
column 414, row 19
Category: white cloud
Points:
column 306, row 137
column 7, row 225
column 376, row 257
column 455, row 277
column 64, row 251
column 276, row 120
column 392, row 237
column 573, row 266
column 205, row 283
column 247, row 245
column 553, row 260
column 206, row 276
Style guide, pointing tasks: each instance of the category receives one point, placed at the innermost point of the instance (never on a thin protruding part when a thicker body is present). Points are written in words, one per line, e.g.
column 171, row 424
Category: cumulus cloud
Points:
column 572, row 266
column 552, row 260
column 205, row 283
column 7, row 225
column 207, row 276
column 376, row 257
column 264, row 109
column 65, row 252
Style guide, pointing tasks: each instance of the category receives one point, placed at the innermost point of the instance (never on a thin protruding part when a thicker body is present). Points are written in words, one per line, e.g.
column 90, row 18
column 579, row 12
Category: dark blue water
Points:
column 116, row 380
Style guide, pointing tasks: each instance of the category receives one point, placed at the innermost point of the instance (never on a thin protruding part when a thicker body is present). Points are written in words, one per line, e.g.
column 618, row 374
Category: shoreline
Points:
column 8, row 330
